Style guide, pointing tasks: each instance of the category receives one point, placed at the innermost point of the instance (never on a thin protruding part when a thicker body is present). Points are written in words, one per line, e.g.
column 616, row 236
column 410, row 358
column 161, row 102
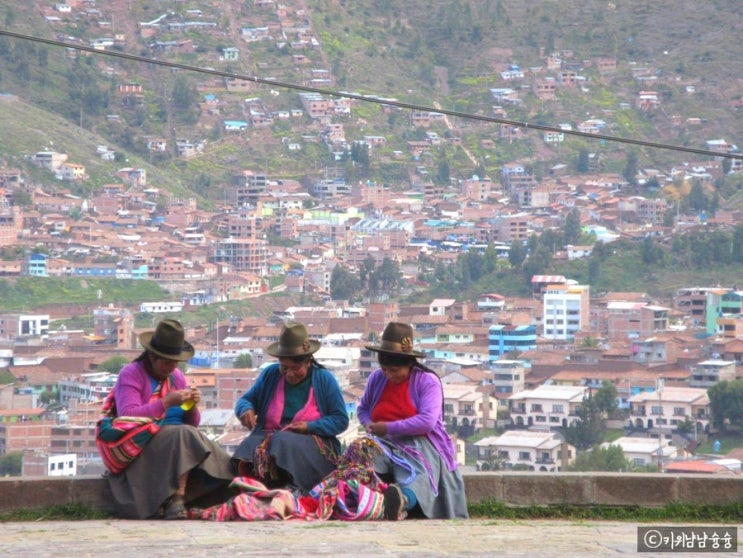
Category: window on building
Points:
column 524, row 456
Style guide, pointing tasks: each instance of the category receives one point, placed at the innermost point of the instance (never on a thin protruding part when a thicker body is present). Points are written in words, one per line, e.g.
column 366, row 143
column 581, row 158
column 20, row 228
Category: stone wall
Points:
column 511, row 489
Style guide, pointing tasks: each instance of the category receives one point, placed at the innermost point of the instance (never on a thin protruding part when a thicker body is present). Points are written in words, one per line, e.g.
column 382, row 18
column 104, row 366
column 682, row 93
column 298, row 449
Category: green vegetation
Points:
column 113, row 364
column 726, row 402
column 11, row 464
column 676, row 513
column 710, row 257
column 245, row 360
column 728, row 442
column 672, row 512
column 64, row 512
column 33, row 292
column 387, row 49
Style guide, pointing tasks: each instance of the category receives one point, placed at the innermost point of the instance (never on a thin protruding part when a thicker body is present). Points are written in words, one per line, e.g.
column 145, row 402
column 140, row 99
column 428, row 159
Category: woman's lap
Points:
column 305, row 459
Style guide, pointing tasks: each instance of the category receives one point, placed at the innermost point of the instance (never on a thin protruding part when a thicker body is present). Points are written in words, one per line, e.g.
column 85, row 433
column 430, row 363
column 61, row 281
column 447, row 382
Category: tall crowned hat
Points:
column 167, row 341
column 397, row 339
column 293, row 341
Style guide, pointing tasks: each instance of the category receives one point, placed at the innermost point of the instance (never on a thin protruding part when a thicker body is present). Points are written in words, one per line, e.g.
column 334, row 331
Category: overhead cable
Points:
column 369, row 98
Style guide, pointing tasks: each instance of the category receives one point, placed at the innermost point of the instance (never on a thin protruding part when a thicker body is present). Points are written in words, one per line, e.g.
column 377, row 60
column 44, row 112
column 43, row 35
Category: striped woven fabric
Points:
column 120, row 440
column 258, row 503
column 354, row 501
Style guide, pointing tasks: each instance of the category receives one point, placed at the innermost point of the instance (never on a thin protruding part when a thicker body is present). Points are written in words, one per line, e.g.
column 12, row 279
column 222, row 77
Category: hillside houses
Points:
column 532, row 360
column 539, row 391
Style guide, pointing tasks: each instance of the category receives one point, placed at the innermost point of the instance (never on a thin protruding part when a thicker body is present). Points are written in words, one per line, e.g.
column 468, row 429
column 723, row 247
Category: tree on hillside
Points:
column 726, row 403
column 590, row 428
column 385, row 280
column 605, row 399
column 113, row 364
column 47, row 398
column 650, row 252
column 517, row 254
column 736, row 245
column 572, row 230
column 601, row 459
column 630, row 168
column 538, row 262
column 185, row 100
column 697, row 198
column 344, row 285
column 244, row 360
column 443, row 176
column 11, row 464
column 360, row 154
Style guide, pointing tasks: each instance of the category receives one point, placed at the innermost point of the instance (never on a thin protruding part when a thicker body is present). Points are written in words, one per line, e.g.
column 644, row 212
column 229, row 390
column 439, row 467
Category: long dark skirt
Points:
column 440, row 492
column 290, row 460
column 143, row 487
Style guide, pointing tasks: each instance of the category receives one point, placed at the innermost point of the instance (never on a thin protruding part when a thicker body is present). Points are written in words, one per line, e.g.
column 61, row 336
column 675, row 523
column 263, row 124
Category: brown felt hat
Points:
column 397, row 339
column 167, row 341
column 294, row 341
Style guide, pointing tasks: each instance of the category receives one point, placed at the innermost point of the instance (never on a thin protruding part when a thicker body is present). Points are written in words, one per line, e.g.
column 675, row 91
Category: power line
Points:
column 369, row 98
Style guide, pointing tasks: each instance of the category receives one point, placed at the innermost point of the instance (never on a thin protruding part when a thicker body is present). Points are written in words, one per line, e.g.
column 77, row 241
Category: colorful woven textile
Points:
column 258, row 503
column 350, row 500
column 354, row 490
column 120, row 440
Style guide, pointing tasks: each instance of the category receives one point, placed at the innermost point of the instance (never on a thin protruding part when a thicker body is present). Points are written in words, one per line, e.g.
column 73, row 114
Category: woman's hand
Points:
column 179, row 396
column 195, row 395
column 248, row 419
column 377, row 428
column 300, row 427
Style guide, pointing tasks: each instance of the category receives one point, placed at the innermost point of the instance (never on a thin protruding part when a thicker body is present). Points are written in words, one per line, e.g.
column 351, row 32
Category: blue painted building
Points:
column 503, row 339
column 37, row 265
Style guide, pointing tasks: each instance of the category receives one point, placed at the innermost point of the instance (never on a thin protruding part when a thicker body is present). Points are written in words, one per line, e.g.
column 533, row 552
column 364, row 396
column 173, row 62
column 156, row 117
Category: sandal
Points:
column 176, row 509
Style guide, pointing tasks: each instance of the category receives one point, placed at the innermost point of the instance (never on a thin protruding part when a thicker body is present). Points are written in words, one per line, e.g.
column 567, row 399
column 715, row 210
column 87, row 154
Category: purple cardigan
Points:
column 428, row 398
column 133, row 390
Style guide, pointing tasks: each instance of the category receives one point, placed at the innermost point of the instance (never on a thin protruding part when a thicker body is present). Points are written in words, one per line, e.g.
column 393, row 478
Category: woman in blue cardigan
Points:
column 295, row 410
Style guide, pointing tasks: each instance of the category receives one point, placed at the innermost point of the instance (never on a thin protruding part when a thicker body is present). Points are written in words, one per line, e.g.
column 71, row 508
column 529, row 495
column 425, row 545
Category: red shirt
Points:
column 394, row 403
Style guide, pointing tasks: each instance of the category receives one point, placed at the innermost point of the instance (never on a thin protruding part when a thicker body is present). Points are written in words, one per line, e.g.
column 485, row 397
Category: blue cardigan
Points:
column 328, row 395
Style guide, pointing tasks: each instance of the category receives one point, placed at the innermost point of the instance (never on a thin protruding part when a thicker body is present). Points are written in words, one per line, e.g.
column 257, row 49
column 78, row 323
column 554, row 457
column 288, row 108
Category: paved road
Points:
column 296, row 539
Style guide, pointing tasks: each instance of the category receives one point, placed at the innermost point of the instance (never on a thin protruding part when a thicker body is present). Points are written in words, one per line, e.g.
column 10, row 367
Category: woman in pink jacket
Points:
column 179, row 463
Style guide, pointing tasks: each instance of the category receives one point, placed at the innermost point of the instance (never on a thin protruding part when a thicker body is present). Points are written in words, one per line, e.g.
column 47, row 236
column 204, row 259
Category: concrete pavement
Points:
column 116, row 538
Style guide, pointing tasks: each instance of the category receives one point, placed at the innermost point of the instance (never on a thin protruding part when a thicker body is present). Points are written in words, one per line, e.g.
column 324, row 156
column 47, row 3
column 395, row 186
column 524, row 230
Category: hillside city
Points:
column 518, row 371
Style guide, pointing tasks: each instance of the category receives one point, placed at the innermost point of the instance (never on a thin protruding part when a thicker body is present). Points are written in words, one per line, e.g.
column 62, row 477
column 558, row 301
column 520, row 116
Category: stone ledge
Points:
column 511, row 489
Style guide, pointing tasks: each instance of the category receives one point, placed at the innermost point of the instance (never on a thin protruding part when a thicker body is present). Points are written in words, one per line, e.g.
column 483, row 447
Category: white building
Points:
column 62, row 465
column 566, row 311
column 667, row 407
column 86, row 387
column 508, row 376
column 547, row 406
column 538, row 451
column 466, row 407
column 645, row 451
column 161, row 307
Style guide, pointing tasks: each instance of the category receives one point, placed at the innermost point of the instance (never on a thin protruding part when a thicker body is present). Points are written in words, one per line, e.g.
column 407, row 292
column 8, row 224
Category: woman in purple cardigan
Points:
column 403, row 408
column 180, row 463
